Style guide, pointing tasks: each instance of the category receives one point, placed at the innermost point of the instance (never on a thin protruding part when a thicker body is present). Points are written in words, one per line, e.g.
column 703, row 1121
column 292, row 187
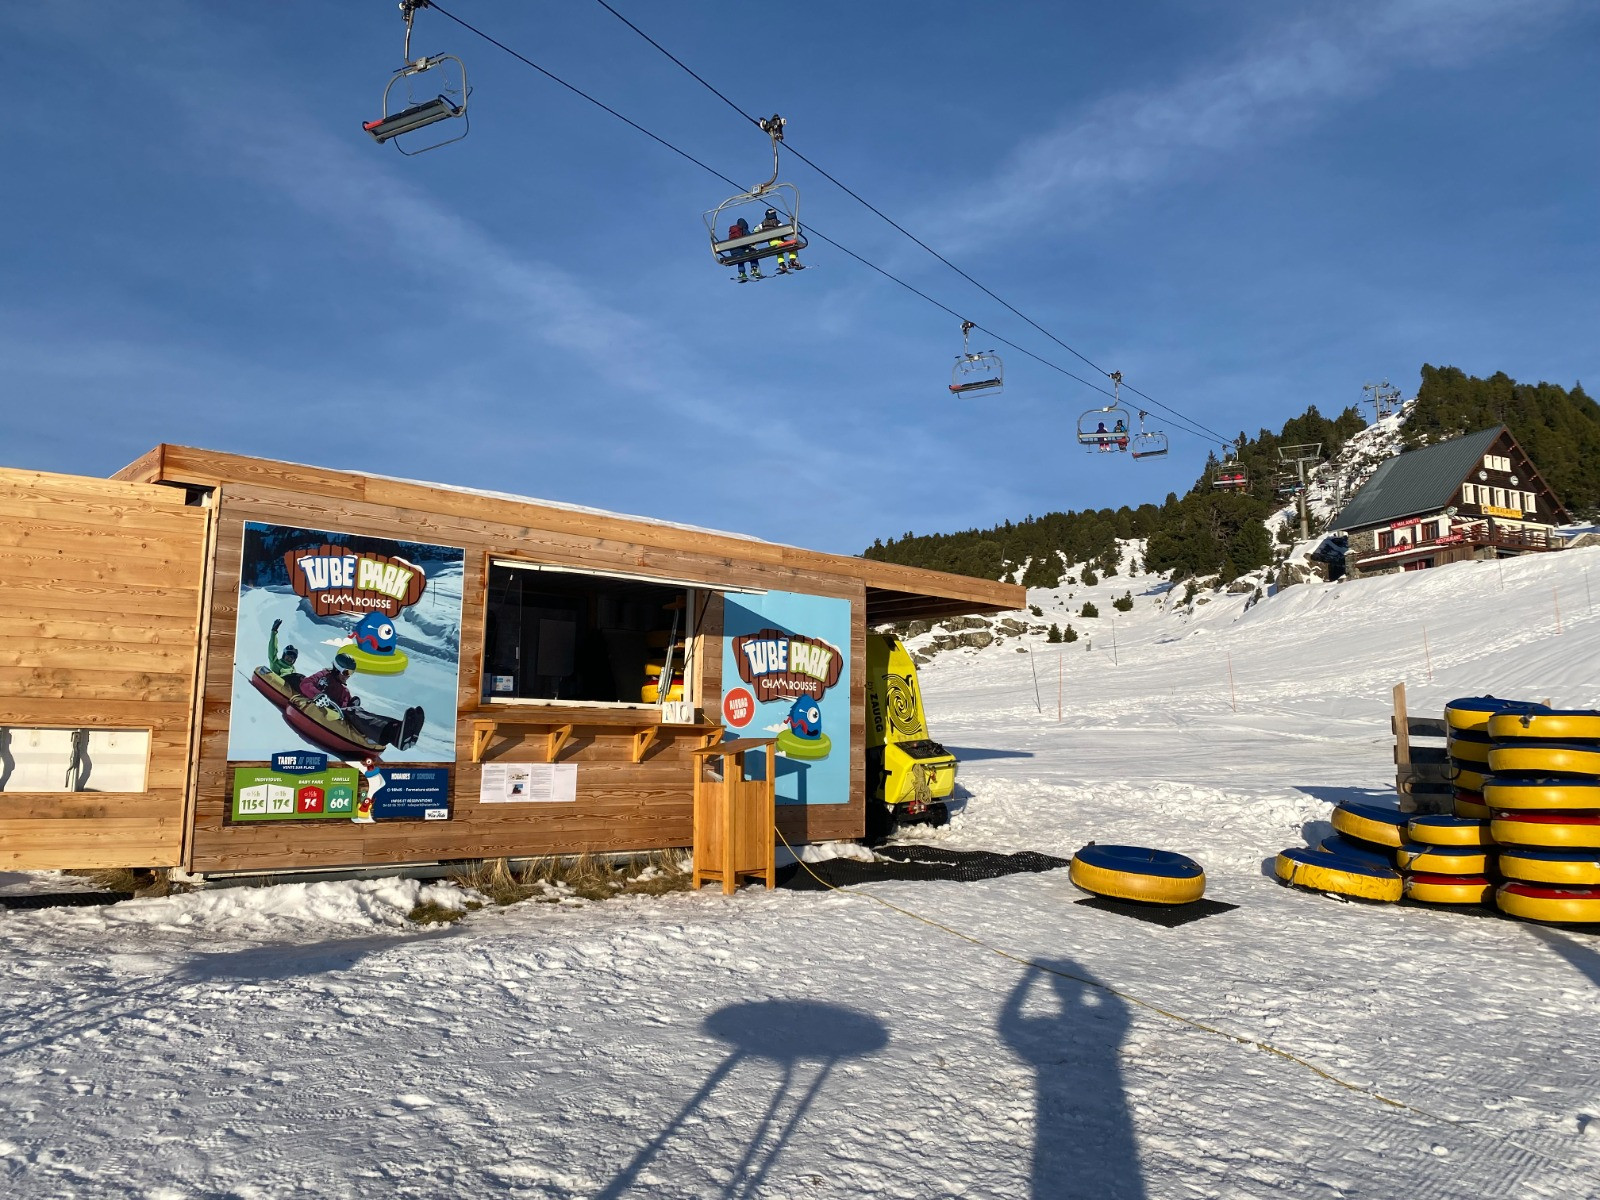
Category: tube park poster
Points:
column 786, row 672
column 346, row 645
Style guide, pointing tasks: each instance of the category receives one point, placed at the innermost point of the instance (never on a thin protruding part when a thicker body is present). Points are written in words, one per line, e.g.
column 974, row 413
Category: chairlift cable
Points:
column 872, row 208
column 1206, row 436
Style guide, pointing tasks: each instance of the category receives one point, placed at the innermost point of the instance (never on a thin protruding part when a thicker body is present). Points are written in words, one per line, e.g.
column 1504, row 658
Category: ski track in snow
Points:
column 307, row 1040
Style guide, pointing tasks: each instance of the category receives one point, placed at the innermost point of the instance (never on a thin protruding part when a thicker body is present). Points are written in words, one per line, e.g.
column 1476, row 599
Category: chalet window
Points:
column 562, row 635
column 1386, row 539
column 1427, row 531
column 1528, row 505
column 73, row 760
column 1497, row 462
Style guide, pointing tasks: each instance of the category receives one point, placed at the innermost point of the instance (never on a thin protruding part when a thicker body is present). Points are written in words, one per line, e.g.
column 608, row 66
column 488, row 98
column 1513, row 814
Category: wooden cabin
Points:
column 533, row 678
column 1474, row 496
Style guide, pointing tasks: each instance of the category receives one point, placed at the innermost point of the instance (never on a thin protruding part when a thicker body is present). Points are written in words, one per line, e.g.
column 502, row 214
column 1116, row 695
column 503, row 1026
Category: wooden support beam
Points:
column 643, row 740
column 558, row 737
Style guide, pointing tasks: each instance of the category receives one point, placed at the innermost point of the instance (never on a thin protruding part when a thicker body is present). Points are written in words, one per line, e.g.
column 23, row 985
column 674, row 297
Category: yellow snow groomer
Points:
column 908, row 773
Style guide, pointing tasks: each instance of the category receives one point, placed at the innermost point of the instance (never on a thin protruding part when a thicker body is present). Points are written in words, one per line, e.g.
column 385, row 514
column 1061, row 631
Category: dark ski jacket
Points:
column 327, row 682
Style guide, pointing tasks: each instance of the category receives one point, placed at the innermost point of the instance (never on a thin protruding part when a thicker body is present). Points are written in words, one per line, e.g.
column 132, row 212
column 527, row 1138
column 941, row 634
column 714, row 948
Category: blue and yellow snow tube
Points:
column 1372, row 856
column 1137, row 873
column 1544, row 758
column 1442, row 860
column 1541, row 864
column 1468, row 777
column 1441, row 829
column 1323, row 872
column 1471, row 806
column 1471, row 749
column 1473, row 713
column 1448, row 889
column 1563, row 830
column 1371, row 823
column 1547, row 725
column 1540, row 902
column 1513, row 793
column 368, row 663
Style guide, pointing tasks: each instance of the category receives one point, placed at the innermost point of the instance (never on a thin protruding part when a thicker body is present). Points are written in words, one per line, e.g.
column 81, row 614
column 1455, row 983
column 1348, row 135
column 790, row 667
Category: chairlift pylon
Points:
column 416, row 114
column 776, row 232
column 976, row 372
column 1106, row 429
column 1151, row 444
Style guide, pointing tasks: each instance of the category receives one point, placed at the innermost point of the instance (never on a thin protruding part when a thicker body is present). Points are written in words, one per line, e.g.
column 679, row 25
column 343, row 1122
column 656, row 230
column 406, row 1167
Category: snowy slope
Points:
column 304, row 1040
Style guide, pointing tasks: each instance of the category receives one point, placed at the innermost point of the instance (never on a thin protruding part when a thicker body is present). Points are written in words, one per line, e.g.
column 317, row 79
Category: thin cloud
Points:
column 1138, row 139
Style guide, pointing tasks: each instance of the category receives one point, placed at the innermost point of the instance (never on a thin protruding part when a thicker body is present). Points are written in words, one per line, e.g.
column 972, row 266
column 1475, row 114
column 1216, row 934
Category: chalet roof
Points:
column 1416, row 482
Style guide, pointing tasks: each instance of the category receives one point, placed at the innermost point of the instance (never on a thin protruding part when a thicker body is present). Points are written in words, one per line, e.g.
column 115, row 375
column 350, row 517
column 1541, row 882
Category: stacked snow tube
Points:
column 1357, row 861
column 1447, row 860
column 1468, row 741
column 1543, row 793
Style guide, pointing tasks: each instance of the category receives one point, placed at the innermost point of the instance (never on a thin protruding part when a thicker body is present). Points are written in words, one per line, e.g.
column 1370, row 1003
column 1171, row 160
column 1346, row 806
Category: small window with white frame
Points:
column 73, row 760
column 1529, row 504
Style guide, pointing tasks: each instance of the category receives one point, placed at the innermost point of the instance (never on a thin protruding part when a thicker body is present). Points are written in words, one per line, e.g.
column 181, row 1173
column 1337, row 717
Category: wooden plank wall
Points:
column 100, row 603
column 621, row 805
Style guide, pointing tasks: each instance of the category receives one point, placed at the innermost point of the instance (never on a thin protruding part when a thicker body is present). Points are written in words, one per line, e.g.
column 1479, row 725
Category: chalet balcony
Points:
column 1462, row 542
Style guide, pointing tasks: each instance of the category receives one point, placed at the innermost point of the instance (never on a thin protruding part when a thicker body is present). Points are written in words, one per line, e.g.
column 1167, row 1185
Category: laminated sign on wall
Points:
column 786, row 673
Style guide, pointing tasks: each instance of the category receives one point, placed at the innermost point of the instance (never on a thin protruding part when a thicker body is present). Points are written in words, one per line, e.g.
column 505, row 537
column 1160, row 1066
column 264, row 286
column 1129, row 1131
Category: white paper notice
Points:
column 528, row 783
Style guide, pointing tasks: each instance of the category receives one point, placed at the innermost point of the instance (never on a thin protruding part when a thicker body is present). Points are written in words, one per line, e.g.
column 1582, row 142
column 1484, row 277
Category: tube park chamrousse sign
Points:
column 786, row 672
column 346, row 659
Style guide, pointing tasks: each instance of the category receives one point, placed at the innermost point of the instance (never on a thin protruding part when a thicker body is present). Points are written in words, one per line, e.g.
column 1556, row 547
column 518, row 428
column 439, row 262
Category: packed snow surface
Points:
column 305, row 1039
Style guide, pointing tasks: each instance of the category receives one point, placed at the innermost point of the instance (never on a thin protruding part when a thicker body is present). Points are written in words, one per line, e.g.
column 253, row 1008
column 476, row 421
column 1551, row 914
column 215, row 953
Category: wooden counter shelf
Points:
column 644, row 724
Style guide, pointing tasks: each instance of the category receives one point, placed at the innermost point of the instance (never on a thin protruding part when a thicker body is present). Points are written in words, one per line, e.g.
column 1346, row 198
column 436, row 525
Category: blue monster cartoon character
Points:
column 376, row 648
column 802, row 736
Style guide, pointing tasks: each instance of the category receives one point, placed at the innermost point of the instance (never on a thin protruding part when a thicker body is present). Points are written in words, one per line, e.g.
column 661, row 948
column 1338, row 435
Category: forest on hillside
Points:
column 1213, row 532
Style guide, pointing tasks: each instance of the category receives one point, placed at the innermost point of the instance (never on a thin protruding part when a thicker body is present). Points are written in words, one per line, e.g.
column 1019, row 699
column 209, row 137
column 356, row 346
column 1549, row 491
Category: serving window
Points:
column 573, row 636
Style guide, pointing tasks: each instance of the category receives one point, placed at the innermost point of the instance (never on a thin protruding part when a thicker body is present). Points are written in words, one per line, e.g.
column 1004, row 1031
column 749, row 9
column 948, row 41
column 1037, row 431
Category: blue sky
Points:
column 1245, row 206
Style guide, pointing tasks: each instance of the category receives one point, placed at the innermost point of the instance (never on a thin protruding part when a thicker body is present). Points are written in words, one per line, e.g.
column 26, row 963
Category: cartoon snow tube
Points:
column 1540, row 902
column 1137, row 873
column 1548, row 725
column 1371, row 823
column 376, row 647
column 1471, row 806
column 1323, row 872
column 1544, row 758
column 1563, row 830
column 1337, row 843
column 1442, row 860
column 272, row 686
column 803, row 736
column 1511, row 793
column 1442, row 829
column 1468, row 777
column 1472, row 749
column 1448, row 889
column 1473, row 713
column 326, row 729
column 1543, row 864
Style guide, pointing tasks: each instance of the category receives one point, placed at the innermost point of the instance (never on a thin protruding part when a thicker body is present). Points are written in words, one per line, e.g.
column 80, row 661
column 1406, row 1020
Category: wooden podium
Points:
column 733, row 816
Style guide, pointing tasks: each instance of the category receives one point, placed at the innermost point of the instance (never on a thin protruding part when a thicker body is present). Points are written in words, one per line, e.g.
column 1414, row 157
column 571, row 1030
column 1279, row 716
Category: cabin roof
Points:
column 1417, row 481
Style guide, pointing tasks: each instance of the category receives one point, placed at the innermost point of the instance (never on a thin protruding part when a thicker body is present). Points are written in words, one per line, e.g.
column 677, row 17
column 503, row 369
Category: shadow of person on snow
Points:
column 786, row 1034
column 1069, row 1029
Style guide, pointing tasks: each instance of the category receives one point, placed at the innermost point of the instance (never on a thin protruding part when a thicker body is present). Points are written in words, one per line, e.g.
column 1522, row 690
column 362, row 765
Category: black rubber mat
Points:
column 63, row 899
column 918, row 863
column 1168, row 916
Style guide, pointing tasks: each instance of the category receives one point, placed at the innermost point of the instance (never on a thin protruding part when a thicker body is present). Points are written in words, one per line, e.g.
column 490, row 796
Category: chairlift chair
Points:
column 416, row 114
column 1107, row 429
column 976, row 372
column 1148, row 444
column 1231, row 475
column 784, row 238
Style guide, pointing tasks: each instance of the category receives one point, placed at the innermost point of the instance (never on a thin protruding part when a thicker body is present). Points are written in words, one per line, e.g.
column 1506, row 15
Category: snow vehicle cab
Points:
column 908, row 773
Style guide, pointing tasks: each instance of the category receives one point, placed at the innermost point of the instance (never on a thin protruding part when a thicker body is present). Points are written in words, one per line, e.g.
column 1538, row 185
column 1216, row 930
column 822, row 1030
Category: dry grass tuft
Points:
column 142, row 882
column 429, row 913
column 581, row 876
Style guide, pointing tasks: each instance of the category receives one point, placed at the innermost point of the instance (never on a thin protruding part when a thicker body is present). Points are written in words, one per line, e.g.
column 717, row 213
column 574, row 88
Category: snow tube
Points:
column 1468, row 777
column 1469, row 750
column 1474, row 712
column 792, row 745
column 1324, row 872
column 1471, row 806
column 272, row 686
column 1371, row 823
column 1544, row 758
column 1552, row 794
column 1550, row 725
column 1538, row 902
column 1137, row 873
column 368, row 663
column 1546, row 829
column 1448, row 889
column 1337, row 843
column 1442, row 860
column 1567, row 868
column 329, row 733
column 1440, row 829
